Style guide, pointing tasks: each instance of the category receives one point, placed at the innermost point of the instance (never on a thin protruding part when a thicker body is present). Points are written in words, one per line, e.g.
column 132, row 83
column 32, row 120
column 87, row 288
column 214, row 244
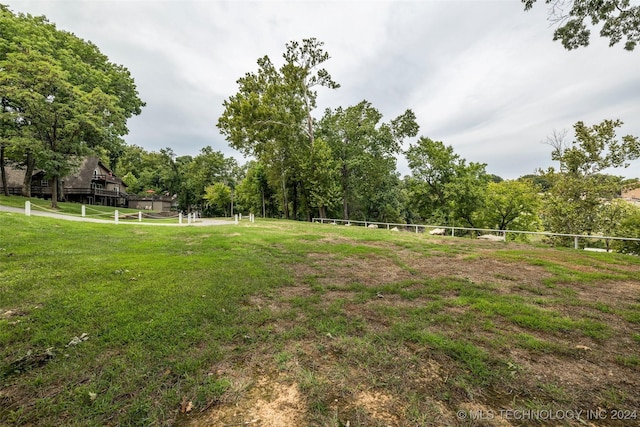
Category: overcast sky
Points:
column 482, row 76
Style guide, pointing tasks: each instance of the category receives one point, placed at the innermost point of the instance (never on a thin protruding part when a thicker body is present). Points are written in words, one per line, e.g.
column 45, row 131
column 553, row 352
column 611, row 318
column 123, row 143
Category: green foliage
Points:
column 253, row 193
column 218, row 196
column 62, row 92
column 512, row 205
column 630, row 227
column 270, row 118
column 538, row 180
column 322, row 171
column 444, row 188
column 185, row 177
column 620, row 20
column 574, row 204
column 365, row 150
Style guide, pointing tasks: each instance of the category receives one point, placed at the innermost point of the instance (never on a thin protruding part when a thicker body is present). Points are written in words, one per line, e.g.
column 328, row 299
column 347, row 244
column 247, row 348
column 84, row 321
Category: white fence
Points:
column 450, row 230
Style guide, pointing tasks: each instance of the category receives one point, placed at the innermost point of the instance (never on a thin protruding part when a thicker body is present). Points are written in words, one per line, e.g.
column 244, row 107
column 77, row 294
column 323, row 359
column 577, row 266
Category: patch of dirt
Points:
column 360, row 386
column 331, row 270
column 379, row 406
column 269, row 402
column 609, row 293
column 12, row 313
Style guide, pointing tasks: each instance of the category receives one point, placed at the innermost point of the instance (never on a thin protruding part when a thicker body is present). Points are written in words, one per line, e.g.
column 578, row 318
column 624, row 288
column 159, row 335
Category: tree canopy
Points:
column 270, row 118
column 573, row 203
column 620, row 20
column 60, row 95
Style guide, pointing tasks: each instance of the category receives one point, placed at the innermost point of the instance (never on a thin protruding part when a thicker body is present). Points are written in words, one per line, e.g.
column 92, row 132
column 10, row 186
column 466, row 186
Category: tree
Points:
column 538, row 180
column 466, row 193
column 323, row 174
column 365, row 151
column 572, row 204
column 512, row 205
column 613, row 218
column 270, row 116
column 620, row 19
column 218, row 196
column 432, row 168
column 630, row 227
column 443, row 187
column 63, row 92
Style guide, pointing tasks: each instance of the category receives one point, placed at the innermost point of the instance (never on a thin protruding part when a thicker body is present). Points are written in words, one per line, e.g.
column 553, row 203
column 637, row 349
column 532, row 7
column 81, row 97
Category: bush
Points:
column 630, row 227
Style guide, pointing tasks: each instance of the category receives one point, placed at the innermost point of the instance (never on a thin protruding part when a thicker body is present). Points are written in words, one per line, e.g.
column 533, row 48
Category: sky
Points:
column 482, row 76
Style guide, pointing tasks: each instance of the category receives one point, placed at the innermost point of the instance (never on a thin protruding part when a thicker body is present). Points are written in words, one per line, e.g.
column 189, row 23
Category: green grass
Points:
column 174, row 314
column 63, row 207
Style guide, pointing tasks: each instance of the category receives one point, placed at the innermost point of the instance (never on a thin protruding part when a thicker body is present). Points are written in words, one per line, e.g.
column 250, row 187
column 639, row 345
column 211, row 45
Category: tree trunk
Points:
column 345, row 203
column 61, row 196
column 28, row 175
column 5, row 186
column 54, row 193
column 285, row 202
column 322, row 211
column 295, row 201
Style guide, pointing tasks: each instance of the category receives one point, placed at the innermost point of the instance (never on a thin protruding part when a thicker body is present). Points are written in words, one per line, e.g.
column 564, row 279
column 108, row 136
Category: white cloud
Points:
column 484, row 77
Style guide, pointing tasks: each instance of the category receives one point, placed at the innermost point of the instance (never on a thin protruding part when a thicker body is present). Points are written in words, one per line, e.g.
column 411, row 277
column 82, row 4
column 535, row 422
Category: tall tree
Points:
column 620, row 19
column 573, row 202
column 63, row 91
column 512, row 205
column 270, row 116
column 365, row 150
column 444, row 188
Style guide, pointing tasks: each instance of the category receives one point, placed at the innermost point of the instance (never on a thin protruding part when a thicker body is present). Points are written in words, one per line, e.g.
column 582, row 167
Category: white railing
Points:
column 451, row 230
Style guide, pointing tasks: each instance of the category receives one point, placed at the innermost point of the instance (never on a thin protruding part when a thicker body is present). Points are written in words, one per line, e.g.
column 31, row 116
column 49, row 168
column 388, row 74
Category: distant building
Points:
column 153, row 203
column 632, row 195
column 92, row 183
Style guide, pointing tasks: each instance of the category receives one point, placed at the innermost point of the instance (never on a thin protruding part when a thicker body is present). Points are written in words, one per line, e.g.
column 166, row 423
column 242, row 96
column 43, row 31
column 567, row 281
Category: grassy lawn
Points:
column 284, row 323
column 91, row 211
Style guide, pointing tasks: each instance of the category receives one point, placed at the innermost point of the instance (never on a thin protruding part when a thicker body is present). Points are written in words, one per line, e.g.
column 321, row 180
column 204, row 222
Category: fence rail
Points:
column 451, row 230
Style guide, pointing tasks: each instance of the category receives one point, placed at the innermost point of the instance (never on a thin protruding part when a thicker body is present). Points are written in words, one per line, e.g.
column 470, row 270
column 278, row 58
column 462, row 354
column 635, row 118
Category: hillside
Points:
column 286, row 323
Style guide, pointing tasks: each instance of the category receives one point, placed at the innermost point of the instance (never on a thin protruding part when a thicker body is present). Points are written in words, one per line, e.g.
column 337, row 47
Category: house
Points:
column 92, row 183
column 632, row 195
column 152, row 202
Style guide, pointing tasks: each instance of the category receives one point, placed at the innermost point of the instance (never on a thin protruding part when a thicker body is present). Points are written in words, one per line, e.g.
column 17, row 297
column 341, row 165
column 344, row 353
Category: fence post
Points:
column 189, row 218
column 575, row 242
column 83, row 210
column 236, row 219
column 139, row 216
column 180, row 218
column 116, row 216
column 27, row 208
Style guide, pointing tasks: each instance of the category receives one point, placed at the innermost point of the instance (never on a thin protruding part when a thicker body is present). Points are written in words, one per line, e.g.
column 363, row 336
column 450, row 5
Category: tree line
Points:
column 61, row 99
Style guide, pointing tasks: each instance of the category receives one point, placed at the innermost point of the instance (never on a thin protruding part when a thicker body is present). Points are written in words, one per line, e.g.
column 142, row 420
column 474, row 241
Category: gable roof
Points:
column 83, row 175
column 79, row 178
column 15, row 176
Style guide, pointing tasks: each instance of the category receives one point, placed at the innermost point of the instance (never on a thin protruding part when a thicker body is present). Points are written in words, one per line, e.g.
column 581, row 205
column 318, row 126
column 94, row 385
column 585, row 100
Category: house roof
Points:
column 79, row 178
column 631, row 194
column 85, row 172
column 15, row 177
